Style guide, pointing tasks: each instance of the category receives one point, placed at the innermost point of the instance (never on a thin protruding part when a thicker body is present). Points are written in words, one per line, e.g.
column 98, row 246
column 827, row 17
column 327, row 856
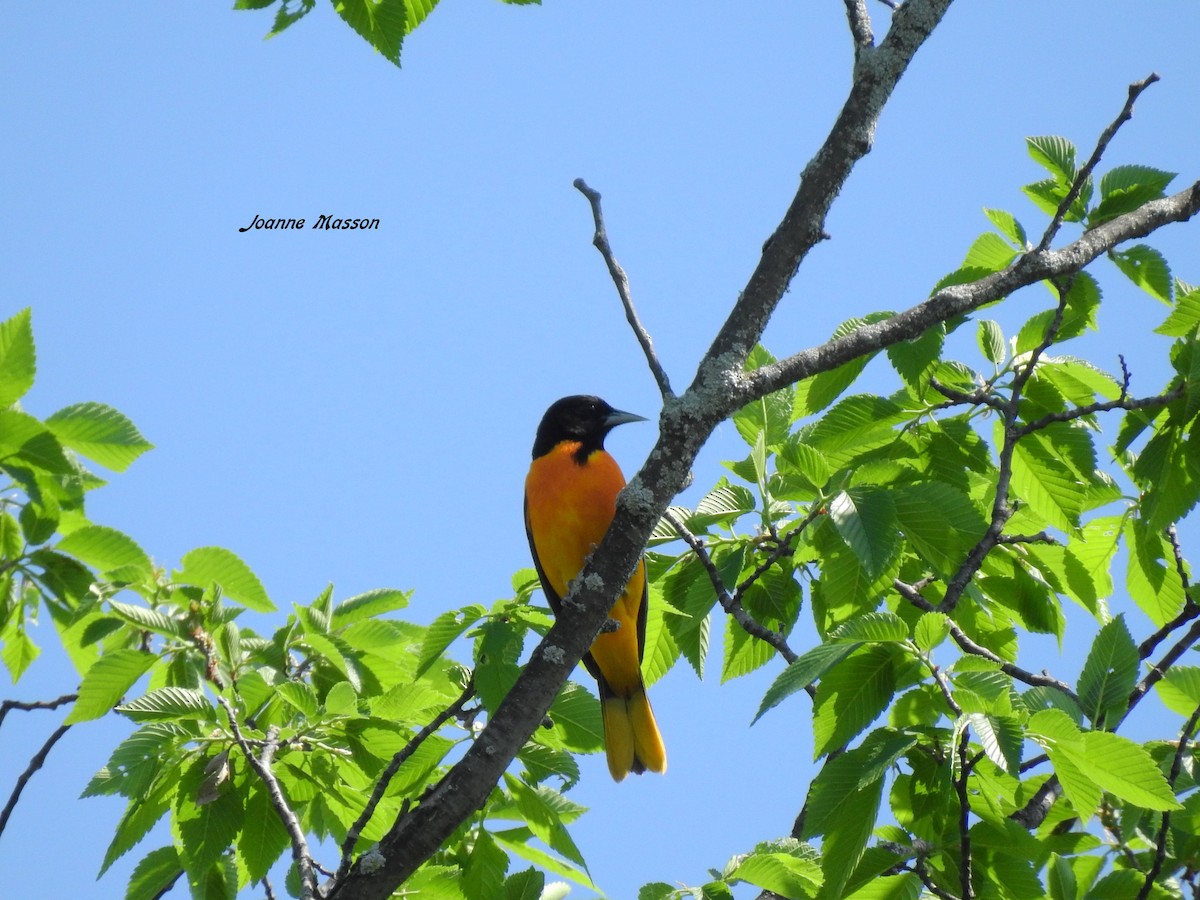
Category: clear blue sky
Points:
column 358, row 407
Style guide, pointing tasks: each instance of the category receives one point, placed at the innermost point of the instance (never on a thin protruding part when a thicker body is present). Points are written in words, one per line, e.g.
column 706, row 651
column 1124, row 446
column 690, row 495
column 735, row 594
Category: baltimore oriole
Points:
column 570, row 499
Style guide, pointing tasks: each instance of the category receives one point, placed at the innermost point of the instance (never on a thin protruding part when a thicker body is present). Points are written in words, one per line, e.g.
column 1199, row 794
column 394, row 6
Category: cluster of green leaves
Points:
column 339, row 691
column 930, row 542
column 384, row 24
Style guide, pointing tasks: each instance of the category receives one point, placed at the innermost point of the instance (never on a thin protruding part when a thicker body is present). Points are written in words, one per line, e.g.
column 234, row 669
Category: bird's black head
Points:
column 580, row 417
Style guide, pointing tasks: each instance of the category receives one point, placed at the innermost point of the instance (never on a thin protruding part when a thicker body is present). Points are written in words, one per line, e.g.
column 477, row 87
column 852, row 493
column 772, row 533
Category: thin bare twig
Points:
column 1135, row 91
column 392, row 768
column 27, row 705
column 729, row 602
column 36, row 763
column 621, row 280
column 913, row 596
column 262, row 767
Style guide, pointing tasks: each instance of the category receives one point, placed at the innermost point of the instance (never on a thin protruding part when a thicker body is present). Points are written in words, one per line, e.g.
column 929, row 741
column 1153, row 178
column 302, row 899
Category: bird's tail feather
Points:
column 631, row 737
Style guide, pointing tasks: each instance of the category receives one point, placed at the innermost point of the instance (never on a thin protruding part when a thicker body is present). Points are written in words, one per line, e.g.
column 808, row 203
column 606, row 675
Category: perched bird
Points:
column 570, row 499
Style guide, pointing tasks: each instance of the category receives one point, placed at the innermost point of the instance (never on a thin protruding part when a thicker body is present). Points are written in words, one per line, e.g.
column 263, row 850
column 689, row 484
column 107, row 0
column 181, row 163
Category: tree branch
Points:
column 959, row 299
column 1135, row 91
column 392, row 768
column 36, row 763
column 730, row 603
column 262, row 767
column 621, row 280
column 28, row 705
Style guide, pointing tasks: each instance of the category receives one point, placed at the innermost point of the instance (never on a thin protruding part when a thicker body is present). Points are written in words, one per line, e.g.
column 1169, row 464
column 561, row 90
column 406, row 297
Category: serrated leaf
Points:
column 851, row 695
column 991, row 341
column 931, row 629
column 107, row 681
column 263, row 837
column 443, row 631
column 1151, row 577
column 1179, row 689
column 205, row 830
column 989, row 252
column 368, row 605
column 939, row 521
column 871, row 627
column 100, row 433
column 1000, row 737
column 781, row 873
column 1185, row 316
column 866, row 520
column 301, row 697
column 1047, row 484
column 802, row 672
column 206, row 565
column 382, row 23
column 1008, row 225
column 169, row 703
column 1124, row 769
column 154, row 875
column 1056, row 154
column 106, row 549
column 1110, row 672
column 1147, row 268
column 18, row 359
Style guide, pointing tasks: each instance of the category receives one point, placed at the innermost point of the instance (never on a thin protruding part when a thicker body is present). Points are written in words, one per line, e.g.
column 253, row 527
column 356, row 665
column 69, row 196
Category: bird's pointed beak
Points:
column 620, row 417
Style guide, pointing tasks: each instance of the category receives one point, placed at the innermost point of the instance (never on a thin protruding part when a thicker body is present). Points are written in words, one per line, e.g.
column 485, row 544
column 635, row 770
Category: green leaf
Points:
column 369, row 605
column 801, row 673
column 443, row 631
column 18, row 359
column 846, row 837
column 1055, row 154
column 19, row 650
column 915, row 360
column 931, row 629
column 989, row 252
column 1185, row 317
column 890, row 887
column 169, row 703
column 525, row 885
column 106, row 549
column 205, row 830
column 871, row 627
column 1179, row 689
column 940, row 522
column 1124, row 769
column 107, row 681
column 722, row 505
column 1147, row 268
column 781, row 873
column 1109, row 674
column 206, row 565
column 769, row 417
column 1151, row 577
column 483, row 873
column 537, row 807
column 866, row 520
column 100, row 433
column 851, row 695
column 154, row 875
column 140, row 816
column 301, row 697
column 1125, row 188
column 991, row 341
column 1000, row 737
column 1008, row 226
column 383, row 23
column 147, row 619
column 1043, row 480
